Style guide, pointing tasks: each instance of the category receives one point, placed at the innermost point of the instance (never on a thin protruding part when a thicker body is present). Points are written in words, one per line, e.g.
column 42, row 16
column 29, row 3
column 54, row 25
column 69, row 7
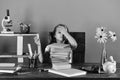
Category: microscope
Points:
column 6, row 23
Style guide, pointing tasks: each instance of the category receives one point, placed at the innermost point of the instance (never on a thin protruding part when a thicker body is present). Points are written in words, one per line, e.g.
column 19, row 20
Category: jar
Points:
column 24, row 28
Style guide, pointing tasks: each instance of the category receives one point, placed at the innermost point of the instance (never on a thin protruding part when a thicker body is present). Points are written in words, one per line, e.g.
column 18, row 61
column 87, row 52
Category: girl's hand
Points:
column 63, row 30
column 37, row 40
column 47, row 49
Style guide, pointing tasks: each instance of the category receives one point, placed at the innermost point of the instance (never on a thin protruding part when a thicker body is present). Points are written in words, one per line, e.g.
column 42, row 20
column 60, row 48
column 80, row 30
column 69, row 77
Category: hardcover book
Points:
column 8, row 68
column 68, row 72
column 61, row 65
column 7, row 64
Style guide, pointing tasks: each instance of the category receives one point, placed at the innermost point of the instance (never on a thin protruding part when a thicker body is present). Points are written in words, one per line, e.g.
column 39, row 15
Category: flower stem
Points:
column 103, row 57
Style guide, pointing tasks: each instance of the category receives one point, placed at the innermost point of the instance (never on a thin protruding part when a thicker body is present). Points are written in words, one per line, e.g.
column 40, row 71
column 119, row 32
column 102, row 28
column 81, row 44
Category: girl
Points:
column 61, row 41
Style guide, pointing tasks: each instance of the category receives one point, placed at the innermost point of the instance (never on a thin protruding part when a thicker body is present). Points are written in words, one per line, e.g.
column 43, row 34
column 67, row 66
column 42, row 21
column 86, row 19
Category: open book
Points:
column 68, row 72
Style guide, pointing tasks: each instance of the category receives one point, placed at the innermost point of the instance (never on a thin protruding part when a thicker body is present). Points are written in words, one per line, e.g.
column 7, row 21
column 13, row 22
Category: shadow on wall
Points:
column 28, row 18
column 41, row 27
column 44, row 34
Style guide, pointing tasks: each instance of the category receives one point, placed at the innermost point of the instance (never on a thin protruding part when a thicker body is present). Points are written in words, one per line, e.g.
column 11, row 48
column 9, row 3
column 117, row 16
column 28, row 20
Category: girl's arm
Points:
column 37, row 41
column 40, row 54
column 71, row 40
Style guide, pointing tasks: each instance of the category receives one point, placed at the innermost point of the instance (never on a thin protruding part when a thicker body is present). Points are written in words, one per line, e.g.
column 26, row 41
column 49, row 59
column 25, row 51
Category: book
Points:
column 59, row 59
column 9, row 69
column 7, row 64
column 60, row 45
column 61, row 50
column 68, row 72
column 61, row 65
column 61, row 54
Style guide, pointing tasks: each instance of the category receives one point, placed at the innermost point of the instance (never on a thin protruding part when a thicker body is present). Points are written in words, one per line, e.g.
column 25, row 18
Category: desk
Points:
column 19, row 44
column 37, row 75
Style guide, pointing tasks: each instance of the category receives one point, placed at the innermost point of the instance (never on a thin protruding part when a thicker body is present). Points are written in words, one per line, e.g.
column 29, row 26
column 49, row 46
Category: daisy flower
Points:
column 100, row 29
column 101, row 37
column 112, row 35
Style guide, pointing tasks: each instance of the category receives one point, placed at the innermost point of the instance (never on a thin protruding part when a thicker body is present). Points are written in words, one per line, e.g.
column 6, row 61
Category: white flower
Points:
column 101, row 36
column 100, row 30
column 113, row 35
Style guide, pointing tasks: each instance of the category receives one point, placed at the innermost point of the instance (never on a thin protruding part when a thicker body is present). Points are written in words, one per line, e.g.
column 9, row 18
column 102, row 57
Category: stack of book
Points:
column 61, row 59
column 8, row 68
column 61, row 54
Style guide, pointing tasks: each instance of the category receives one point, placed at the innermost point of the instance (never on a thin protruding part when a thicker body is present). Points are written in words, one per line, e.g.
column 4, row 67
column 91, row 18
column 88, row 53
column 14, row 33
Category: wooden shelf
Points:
column 20, row 37
column 17, row 56
column 19, row 34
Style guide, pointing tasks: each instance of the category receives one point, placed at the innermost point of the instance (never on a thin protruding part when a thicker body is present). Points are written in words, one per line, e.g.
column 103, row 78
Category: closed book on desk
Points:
column 68, row 72
column 61, row 65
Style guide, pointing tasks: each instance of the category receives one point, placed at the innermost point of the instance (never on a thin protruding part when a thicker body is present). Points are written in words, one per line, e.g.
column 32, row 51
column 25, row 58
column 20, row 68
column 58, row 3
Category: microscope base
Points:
column 7, row 32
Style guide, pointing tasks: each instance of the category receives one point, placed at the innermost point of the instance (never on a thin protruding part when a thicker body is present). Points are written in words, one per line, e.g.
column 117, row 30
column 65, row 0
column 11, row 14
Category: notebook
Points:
column 61, row 65
column 7, row 64
column 68, row 72
column 9, row 69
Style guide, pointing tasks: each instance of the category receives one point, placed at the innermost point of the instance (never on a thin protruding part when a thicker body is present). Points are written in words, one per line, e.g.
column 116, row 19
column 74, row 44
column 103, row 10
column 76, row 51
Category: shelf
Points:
column 18, row 34
column 18, row 56
column 20, row 46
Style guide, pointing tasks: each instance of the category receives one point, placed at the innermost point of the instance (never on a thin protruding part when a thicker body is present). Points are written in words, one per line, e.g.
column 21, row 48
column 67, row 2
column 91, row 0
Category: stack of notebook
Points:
column 61, row 58
column 8, row 68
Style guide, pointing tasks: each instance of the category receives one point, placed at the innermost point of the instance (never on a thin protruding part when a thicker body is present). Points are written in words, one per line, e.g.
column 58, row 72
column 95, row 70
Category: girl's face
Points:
column 59, row 34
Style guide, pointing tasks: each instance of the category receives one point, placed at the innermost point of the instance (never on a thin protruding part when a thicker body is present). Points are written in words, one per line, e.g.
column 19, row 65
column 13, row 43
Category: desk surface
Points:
column 35, row 74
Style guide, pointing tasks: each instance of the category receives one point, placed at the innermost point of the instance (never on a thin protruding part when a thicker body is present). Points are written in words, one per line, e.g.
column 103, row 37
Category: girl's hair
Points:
column 52, row 34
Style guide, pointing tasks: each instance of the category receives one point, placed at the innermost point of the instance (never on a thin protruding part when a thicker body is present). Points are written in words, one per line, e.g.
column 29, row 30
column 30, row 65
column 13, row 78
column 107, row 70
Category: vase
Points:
column 24, row 28
column 109, row 67
column 103, row 58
